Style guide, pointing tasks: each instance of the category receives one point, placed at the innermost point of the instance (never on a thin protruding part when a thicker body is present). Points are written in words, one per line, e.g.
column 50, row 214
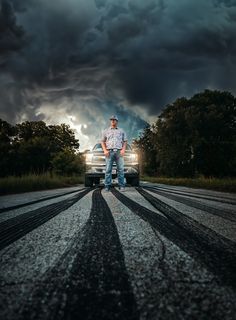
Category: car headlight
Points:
column 134, row 157
column 88, row 157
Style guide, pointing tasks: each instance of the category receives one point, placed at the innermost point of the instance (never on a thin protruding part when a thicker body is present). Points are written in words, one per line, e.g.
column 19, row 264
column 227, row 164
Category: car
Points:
column 96, row 166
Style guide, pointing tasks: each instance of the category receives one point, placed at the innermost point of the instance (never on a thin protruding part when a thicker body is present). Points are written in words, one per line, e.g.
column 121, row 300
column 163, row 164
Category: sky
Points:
column 81, row 61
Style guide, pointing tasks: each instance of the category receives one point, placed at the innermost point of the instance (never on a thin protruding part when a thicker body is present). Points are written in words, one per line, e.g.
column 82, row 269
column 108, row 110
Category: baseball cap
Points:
column 114, row 117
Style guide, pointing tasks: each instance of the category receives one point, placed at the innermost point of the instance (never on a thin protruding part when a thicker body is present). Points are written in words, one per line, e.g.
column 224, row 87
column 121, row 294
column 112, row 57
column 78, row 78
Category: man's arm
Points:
column 122, row 151
column 103, row 143
column 124, row 144
column 106, row 152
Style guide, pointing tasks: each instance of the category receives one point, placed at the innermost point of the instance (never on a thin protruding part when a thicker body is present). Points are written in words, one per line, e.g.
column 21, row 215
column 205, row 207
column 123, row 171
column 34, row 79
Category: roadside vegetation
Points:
column 192, row 138
column 34, row 182
column 225, row 185
column 36, row 156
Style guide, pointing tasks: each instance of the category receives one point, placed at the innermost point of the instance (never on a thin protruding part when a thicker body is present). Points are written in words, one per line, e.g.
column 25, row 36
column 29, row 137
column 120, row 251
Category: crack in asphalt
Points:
column 163, row 247
column 204, row 245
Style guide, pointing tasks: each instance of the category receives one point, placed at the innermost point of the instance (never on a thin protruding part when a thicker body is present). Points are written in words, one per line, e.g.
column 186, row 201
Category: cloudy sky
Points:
column 79, row 61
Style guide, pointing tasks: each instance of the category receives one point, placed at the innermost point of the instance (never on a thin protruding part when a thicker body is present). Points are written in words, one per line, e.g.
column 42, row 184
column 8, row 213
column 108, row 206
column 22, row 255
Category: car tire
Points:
column 128, row 180
column 88, row 181
column 97, row 180
column 134, row 182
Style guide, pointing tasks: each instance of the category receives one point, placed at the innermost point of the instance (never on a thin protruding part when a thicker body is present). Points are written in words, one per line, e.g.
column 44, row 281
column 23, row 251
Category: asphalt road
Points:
column 152, row 252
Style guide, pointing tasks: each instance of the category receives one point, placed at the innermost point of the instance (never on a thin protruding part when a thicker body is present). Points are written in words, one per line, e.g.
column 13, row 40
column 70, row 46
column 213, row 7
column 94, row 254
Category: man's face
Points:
column 113, row 122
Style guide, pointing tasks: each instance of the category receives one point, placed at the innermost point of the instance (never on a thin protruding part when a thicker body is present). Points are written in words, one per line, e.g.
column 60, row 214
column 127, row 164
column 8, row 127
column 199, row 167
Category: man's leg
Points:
column 120, row 169
column 108, row 173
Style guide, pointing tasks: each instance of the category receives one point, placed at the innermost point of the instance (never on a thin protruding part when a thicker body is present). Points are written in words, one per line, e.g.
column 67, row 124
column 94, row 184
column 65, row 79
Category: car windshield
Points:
column 98, row 147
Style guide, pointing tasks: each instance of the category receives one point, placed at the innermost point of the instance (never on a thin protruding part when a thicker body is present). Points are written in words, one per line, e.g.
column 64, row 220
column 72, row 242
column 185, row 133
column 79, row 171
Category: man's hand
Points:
column 107, row 153
column 122, row 152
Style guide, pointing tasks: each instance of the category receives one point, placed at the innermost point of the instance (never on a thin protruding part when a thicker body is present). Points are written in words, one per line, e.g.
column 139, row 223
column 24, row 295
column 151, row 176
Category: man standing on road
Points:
column 114, row 141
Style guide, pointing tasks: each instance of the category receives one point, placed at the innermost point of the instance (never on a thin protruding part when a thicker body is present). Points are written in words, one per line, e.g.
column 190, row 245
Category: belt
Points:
column 114, row 149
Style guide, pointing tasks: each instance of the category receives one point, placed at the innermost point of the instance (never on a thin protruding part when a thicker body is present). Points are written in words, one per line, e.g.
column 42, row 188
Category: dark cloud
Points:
column 11, row 35
column 179, row 48
column 96, row 57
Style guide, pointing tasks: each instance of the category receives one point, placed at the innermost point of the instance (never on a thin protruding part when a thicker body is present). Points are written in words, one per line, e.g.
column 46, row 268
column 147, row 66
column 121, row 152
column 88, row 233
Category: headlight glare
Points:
column 89, row 157
column 134, row 157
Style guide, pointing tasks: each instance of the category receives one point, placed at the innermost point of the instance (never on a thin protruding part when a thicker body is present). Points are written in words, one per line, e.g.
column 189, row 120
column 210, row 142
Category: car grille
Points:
column 102, row 170
column 101, row 158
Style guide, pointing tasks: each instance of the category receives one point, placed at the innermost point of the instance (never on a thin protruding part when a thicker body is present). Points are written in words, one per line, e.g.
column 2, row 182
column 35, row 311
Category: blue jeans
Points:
column 119, row 160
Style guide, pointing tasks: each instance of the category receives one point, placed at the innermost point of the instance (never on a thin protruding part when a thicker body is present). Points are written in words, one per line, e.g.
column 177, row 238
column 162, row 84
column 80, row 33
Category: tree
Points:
column 193, row 136
column 7, row 133
column 63, row 137
column 173, row 138
column 29, row 147
column 67, row 163
column 147, row 152
column 212, row 118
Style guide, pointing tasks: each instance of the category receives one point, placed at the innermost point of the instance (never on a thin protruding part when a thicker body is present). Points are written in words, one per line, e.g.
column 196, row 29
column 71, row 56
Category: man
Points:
column 114, row 141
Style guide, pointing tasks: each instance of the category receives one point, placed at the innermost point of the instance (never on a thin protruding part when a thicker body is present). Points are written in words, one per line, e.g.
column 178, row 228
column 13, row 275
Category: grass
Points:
column 45, row 181
column 35, row 182
column 225, row 185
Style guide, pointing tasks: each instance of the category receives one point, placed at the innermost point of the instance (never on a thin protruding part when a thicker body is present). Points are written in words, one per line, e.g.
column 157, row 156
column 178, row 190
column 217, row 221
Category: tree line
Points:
column 192, row 137
column 34, row 147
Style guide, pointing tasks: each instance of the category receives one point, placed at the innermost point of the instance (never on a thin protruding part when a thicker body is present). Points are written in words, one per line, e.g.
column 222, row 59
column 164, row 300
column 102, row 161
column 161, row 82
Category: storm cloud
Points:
column 80, row 61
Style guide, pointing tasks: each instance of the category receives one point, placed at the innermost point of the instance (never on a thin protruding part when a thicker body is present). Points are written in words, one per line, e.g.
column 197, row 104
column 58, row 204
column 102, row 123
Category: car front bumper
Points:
column 99, row 171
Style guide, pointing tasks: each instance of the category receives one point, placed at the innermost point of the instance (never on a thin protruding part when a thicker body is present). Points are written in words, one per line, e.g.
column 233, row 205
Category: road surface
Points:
column 152, row 252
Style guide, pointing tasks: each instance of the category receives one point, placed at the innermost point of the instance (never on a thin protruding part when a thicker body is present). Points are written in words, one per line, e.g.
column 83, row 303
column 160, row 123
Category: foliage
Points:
column 67, row 163
column 193, row 136
column 147, row 151
column 218, row 184
column 33, row 182
column 32, row 147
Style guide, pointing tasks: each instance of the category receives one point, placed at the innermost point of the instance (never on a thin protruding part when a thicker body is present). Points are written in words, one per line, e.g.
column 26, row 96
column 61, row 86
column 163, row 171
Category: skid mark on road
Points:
column 133, row 194
column 17, row 206
column 220, row 225
column 217, row 253
column 96, row 284
column 223, row 213
column 130, row 257
column 202, row 195
column 17, row 227
column 31, row 256
column 165, row 278
column 17, row 212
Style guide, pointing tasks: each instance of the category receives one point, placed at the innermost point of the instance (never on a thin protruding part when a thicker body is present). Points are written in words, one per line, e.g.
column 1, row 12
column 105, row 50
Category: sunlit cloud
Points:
column 86, row 60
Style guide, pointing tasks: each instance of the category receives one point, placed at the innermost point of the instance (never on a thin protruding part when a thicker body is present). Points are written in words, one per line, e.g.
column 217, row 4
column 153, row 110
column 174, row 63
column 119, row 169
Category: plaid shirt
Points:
column 114, row 138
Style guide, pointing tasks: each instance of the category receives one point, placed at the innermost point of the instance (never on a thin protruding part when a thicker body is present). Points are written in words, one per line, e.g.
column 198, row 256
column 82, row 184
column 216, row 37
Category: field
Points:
column 35, row 182
column 46, row 181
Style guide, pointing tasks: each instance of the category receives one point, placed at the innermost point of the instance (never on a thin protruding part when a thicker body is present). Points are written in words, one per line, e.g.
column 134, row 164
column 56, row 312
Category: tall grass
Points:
column 33, row 182
column 226, row 184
